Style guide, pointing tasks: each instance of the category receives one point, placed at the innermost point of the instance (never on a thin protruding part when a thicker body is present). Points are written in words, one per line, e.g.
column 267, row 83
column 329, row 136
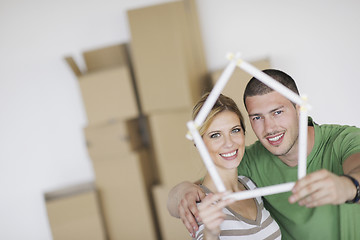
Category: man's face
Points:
column 275, row 122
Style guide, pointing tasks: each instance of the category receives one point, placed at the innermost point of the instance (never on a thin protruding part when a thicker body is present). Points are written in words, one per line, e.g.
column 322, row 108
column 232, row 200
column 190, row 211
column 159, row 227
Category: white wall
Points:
column 41, row 111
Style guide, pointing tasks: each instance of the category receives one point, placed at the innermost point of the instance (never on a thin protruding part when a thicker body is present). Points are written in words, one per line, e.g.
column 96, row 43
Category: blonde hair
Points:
column 223, row 103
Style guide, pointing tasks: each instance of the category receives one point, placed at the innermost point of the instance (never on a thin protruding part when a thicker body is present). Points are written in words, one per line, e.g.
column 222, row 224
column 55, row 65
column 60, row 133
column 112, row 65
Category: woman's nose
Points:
column 229, row 141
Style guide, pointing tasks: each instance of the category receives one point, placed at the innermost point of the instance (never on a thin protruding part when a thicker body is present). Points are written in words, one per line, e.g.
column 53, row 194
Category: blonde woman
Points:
column 223, row 133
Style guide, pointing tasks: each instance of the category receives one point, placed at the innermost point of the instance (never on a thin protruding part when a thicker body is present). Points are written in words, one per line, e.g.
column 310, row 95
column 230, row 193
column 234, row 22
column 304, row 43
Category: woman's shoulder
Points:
column 247, row 182
column 250, row 185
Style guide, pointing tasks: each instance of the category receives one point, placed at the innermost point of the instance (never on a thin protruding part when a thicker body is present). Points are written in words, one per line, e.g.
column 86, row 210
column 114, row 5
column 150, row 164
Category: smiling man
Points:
column 274, row 120
column 332, row 151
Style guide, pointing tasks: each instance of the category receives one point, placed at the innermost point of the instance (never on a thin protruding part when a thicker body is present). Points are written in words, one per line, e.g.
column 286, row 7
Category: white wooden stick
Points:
column 284, row 187
column 209, row 103
column 303, row 130
column 206, row 157
column 215, row 92
column 270, row 82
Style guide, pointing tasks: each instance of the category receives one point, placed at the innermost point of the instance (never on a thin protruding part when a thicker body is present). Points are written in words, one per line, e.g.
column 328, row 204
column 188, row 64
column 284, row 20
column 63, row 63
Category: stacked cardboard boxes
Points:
column 74, row 213
column 123, row 171
column 137, row 109
column 171, row 73
column 107, row 86
column 168, row 56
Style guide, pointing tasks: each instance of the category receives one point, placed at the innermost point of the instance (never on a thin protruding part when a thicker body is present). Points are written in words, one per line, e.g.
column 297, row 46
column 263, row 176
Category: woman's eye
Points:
column 215, row 135
column 236, row 130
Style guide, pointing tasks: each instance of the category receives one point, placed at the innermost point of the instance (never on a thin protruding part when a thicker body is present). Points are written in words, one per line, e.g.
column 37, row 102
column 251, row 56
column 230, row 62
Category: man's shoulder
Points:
column 255, row 147
column 336, row 130
column 335, row 127
column 255, row 151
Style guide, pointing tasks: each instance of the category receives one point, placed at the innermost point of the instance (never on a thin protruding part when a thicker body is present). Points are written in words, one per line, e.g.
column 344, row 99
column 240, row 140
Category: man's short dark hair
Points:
column 256, row 87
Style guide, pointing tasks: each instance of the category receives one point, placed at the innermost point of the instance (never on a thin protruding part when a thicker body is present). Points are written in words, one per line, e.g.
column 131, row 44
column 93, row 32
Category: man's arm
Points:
column 182, row 203
column 323, row 187
column 351, row 167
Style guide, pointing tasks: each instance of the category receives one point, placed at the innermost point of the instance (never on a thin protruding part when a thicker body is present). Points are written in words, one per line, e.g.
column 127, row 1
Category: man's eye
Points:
column 256, row 118
column 278, row 112
column 215, row 135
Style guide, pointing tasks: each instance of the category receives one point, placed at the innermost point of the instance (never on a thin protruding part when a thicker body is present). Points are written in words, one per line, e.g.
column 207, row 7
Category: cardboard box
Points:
column 74, row 213
column 235, row 89
column 107, row 90
column 123, row 191
column 116, row 138
column 168, row 56
column 171, row 228
column 106, row 57
column 177, row 159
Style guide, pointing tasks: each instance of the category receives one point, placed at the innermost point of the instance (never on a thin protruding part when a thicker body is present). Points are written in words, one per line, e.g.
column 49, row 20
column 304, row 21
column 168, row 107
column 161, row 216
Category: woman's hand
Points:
column 210, row 212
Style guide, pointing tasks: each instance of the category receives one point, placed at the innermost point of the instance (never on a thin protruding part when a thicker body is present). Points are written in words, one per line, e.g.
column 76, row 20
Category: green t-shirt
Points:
column 333, row 144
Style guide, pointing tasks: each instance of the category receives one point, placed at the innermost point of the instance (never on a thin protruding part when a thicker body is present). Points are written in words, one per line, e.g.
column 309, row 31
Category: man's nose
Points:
column 269, row 124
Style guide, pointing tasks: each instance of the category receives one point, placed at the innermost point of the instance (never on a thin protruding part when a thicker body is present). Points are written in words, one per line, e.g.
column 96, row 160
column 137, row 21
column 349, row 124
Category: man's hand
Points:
column 182, row 203
column 320, row 188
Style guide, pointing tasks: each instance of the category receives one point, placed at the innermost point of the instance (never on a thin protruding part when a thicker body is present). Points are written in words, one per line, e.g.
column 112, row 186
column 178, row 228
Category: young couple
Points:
column 333, row 167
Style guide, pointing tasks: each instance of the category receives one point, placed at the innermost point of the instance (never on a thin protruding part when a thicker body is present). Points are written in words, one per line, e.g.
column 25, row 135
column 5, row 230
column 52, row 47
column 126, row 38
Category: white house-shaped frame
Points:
column 209, row 103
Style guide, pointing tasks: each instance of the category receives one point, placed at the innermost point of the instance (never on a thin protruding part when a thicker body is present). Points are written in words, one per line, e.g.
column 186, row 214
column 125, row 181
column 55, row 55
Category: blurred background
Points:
column 43, row 120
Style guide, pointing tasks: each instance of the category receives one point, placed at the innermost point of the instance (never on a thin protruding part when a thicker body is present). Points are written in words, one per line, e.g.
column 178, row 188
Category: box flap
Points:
column 106, row 57
column 70, row 61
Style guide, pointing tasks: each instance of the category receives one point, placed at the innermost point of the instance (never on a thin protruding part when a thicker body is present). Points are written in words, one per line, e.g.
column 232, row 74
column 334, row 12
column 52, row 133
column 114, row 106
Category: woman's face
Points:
column 225, row 140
